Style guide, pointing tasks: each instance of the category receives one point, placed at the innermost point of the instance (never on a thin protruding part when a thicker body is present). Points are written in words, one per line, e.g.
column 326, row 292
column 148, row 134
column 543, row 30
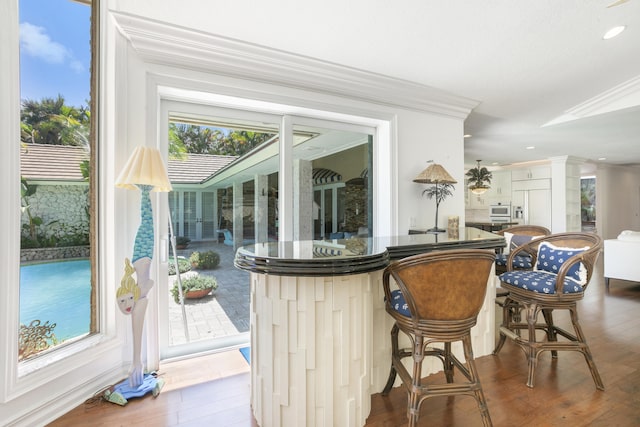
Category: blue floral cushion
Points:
column 539, row 281
column 551, row 258
column 519, row 261
column 399, row 304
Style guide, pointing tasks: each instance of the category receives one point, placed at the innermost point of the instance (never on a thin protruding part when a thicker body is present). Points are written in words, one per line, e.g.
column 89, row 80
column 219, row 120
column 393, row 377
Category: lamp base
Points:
column 436, row 230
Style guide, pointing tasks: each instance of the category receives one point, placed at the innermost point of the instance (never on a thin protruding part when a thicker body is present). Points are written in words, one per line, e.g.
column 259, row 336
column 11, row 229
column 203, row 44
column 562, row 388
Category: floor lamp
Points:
column 146, row 172
column 436, row 174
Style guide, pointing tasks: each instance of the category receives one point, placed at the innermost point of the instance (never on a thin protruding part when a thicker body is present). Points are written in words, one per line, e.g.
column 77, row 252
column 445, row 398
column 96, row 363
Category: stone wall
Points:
column 46, row 254
column 66, row 204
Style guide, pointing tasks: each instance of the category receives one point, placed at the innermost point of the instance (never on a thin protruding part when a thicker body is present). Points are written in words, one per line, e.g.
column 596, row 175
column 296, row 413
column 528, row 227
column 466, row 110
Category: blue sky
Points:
column 55, row 54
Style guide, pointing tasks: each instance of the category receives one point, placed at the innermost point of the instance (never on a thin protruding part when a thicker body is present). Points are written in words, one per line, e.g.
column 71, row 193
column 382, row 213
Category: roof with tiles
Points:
column 42, row 162
column 52, row 162
column 196, row 167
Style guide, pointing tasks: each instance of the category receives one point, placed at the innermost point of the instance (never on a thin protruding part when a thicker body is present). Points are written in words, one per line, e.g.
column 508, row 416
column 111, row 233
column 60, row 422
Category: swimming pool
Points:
column 58, row 292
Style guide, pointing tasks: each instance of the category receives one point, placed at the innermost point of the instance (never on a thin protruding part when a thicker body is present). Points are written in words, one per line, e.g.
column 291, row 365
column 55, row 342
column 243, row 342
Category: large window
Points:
column 57, row 169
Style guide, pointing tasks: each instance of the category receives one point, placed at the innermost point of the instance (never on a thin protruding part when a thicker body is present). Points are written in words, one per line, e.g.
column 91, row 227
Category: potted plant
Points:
column 194, row 287
column 182, row 242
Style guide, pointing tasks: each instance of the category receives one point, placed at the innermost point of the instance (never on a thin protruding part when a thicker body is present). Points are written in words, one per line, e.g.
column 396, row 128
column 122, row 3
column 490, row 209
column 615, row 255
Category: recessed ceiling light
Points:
column 531, row 147
column 614, row 32
column 602, row 158
column 467, row 135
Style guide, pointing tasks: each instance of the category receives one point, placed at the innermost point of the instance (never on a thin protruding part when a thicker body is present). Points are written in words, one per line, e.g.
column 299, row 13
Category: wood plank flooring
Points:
column 216, row 389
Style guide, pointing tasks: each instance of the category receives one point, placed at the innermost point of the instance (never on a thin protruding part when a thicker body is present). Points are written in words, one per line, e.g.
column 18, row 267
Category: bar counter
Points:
column 320, row 336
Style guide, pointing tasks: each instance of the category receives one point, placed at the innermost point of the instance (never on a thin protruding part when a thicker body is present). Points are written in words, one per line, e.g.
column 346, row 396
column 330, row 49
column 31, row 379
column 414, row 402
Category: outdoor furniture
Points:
column 438, row 300
column 228, row 238
column 563, row 266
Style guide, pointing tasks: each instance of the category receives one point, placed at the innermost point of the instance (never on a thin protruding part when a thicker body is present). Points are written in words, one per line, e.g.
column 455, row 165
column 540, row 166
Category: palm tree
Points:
column 440, row 192
column 50, row 121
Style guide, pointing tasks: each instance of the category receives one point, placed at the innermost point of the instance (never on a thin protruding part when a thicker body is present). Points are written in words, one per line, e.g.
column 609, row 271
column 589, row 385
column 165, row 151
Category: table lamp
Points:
column 436, row 174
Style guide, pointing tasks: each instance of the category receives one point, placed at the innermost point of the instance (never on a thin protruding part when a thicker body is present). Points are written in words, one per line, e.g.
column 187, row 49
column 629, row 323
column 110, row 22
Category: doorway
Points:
column 227, row 181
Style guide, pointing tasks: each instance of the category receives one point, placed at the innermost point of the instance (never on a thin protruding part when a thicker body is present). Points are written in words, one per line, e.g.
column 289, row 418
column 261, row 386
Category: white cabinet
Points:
column 477, row 201
column 533, row 172
column 533, row 199
column 500, row 191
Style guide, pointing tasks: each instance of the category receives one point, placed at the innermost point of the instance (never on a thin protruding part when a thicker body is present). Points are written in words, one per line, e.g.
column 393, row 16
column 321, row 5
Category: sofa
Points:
column 622, row 257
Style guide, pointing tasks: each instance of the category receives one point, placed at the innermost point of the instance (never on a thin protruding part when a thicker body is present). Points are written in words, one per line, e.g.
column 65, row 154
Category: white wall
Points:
column 422, row 138
column 617, row 200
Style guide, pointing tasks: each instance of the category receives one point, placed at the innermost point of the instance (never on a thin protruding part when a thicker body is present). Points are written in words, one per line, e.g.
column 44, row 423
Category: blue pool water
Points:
column 58, row 292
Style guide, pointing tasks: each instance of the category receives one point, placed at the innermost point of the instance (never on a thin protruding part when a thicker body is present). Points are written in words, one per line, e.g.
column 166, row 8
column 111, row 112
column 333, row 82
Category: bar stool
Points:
column 514, row 236
column 564, row 265
column 438, row 299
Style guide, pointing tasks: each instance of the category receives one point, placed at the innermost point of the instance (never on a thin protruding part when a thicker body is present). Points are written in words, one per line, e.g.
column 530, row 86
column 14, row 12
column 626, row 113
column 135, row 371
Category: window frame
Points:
column 65, row 364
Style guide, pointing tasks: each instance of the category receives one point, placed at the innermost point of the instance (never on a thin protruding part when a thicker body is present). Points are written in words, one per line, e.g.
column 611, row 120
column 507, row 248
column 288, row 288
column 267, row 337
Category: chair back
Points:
column 442, row 285
column 525, row 230
column 573, row 240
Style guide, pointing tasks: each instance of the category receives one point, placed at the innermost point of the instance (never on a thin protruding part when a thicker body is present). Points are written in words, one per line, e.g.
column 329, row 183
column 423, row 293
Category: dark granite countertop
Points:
column 355, row 255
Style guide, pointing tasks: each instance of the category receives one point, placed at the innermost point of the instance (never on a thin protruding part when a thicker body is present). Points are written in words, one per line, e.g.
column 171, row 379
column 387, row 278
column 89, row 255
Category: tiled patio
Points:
column 225, row 312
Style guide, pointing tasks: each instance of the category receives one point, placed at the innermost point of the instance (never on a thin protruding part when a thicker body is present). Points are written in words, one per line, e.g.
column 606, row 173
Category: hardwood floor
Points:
column 564, row 393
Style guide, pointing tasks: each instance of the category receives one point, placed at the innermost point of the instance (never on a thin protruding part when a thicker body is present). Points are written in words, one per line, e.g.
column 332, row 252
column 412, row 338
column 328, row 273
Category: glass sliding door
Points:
column 189, row 214
column 231, row 184
column 207, row 216
column 224, row 168
column 332, row 164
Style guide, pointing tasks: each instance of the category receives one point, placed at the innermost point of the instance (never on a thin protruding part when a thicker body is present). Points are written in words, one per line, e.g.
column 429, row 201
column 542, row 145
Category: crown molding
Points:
column 166, row 44
column 625, row 95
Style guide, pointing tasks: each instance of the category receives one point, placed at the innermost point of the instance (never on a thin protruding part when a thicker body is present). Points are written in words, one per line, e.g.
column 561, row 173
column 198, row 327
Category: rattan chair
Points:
column 518, row 230
column 564, row 265
column 510, row 309
column 438, row 300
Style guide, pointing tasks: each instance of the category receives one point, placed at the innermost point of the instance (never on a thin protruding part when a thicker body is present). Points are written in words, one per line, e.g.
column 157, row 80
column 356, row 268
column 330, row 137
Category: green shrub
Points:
column 183, row 265
column 182, row 241
column 192, row 284
column 204, row 260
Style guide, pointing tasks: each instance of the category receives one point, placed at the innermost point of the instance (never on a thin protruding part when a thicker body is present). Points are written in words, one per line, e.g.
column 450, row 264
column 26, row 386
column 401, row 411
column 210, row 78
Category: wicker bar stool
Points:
column 563, row 268
column 514, row 236
column 438, row 299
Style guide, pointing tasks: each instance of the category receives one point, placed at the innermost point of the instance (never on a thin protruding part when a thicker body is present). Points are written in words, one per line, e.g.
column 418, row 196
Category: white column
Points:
column 261, row 207
column 238, row 210
column 302, row 200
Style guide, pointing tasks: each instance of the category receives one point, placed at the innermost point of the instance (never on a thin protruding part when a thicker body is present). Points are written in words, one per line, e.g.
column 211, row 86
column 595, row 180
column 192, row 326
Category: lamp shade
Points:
column 144, row 167
column 434, row 174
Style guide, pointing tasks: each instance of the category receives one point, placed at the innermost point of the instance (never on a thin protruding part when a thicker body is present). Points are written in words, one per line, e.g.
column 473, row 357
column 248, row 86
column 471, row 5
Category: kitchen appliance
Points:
column 532, row 206
column 500, row 213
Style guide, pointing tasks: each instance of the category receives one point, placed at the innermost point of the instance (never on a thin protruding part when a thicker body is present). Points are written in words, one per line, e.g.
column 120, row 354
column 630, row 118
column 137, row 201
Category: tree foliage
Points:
column 439, row 192
column 187, row 138
column 50, row 121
